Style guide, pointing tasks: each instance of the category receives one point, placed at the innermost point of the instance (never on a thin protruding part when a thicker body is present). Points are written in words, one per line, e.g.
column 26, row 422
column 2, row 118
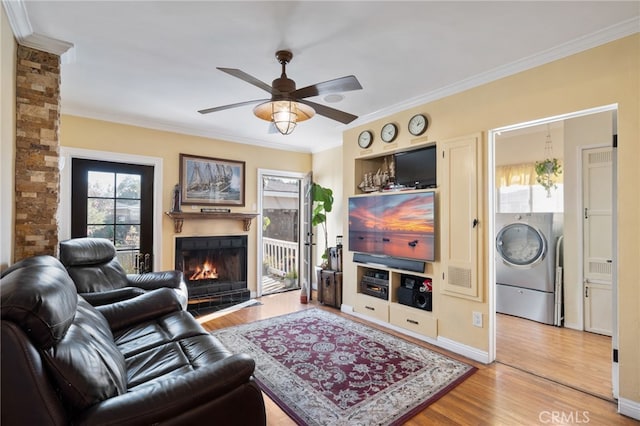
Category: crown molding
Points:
column 580, row 44
column 18, row 19
column 23, row 32
column 175, row 128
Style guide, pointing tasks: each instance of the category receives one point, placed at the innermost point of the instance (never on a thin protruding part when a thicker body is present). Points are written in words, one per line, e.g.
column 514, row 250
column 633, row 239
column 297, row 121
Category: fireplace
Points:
column 215, row 269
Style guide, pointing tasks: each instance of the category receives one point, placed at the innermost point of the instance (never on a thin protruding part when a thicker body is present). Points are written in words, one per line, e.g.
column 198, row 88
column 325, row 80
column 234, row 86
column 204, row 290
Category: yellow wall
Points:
column 604, row 75
column 327, row 171
column 84, row 133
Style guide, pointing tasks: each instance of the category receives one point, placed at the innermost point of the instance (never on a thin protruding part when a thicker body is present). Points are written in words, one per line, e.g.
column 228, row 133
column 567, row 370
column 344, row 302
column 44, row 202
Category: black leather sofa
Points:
column 139, row 361
column 100, row 278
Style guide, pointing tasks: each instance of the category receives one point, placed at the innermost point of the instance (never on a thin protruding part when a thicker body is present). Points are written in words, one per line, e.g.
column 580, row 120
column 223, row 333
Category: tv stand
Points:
column 378, row 295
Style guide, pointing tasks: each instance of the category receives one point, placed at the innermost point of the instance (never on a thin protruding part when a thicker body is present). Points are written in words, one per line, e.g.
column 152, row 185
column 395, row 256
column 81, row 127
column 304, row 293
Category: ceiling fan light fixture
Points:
column 285, row 114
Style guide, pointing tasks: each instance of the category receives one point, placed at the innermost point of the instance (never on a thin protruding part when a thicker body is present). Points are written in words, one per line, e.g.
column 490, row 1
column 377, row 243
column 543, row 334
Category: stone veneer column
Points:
column 37, row 175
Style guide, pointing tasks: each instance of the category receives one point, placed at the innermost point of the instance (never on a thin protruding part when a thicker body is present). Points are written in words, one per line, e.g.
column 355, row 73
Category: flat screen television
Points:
column 416, row 168
column 398, row 224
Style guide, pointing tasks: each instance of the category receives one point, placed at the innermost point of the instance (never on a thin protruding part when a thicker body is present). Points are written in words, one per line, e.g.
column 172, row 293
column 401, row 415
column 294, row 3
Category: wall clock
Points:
column 364, row 139
column 389, row 132
column 418, row 124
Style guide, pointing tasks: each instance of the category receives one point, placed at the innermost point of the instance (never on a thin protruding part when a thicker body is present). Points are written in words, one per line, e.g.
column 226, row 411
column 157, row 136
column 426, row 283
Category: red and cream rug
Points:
column 324, row 369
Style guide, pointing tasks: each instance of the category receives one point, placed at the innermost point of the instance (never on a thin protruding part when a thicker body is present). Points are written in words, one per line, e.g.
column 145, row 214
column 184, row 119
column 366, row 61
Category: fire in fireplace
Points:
column 216, row 270
column 205, row 272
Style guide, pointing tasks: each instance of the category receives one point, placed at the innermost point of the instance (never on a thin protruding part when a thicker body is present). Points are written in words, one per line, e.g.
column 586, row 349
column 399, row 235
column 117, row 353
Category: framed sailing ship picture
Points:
column 211, row 181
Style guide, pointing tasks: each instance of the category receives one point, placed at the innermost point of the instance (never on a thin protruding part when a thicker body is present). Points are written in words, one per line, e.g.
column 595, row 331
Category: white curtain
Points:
column 519, row 174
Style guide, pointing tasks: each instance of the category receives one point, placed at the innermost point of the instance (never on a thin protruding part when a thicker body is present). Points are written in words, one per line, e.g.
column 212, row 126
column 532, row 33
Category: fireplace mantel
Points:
column 179, row 217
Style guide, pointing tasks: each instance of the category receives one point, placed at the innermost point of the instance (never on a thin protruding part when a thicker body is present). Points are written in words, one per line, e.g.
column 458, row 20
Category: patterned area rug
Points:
column 323, row 369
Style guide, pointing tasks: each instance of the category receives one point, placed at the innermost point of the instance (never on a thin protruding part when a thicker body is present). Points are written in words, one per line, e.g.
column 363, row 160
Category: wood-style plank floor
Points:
column 570, row 357
column 497, row 394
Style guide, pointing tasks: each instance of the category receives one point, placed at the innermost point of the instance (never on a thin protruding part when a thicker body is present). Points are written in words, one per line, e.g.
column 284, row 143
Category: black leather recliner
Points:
column 140, row 361
column 100, row 278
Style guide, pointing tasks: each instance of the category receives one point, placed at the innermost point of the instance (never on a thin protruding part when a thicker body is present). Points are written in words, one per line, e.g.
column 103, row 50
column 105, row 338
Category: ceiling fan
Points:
column 288, row 105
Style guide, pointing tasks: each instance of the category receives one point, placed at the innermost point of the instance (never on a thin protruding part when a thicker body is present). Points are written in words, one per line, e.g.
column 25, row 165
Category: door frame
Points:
column 491, row 231
column 64, row 207
column 259, row 254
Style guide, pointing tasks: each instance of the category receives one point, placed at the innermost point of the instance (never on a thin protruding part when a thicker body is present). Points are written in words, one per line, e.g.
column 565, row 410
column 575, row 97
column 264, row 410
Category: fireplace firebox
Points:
column 215, row 269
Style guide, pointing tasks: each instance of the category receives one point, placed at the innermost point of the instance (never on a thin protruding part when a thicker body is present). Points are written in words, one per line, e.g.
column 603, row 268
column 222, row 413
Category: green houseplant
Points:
column 291, row 278
column 546, row 173
column 322, row 204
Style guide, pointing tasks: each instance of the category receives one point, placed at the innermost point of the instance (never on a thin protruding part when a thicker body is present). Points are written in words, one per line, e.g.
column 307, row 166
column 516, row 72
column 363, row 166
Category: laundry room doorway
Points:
column 538, row 259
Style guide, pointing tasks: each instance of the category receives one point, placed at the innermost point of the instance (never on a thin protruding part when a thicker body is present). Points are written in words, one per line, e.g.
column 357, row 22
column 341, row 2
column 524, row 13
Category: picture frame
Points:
column 211, row 181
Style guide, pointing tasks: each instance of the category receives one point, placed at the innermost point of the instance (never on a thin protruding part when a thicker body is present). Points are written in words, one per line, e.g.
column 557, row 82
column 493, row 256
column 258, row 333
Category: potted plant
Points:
column 546, row 173
column 266, row 263
column 291, row 278
column 322, row 204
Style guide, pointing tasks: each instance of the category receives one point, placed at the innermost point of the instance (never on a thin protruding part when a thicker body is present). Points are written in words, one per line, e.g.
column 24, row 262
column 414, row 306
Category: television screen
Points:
column 396, row 224
column 416, row 168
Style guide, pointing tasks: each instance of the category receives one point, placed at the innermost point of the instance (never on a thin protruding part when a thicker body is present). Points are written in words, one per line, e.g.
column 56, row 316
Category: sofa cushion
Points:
column 38, row 295
column 86, row 363
column 167, row 347
column 157, row 332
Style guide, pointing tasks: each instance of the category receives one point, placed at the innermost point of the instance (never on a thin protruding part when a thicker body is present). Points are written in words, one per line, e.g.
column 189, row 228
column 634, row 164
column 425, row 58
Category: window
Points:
column 529, row 199
column 113, row 208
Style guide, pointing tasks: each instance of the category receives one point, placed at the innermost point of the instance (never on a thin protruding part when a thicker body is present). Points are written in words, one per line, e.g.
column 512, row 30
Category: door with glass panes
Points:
column 115, row 201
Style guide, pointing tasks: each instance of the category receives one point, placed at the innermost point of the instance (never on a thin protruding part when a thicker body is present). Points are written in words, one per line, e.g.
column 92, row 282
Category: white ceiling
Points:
column 153, row 63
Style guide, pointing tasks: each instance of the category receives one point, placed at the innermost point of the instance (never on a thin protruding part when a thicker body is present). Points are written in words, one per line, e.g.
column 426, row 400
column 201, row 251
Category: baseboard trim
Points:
column 573, row 326
column 442, row 342
column 464, row 350
column 629, row 408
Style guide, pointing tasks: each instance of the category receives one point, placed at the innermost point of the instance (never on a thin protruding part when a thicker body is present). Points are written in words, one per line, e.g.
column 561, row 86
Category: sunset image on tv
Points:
column 397, row 225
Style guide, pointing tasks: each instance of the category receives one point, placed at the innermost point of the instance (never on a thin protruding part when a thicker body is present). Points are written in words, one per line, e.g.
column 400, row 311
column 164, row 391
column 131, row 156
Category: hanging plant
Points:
column 547, row 172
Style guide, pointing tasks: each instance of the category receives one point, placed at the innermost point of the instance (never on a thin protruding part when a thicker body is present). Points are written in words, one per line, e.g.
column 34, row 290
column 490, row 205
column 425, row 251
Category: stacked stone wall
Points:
column 37, row 173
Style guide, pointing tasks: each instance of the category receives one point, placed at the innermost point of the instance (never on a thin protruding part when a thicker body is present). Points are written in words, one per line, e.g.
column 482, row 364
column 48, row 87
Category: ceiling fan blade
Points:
column 222, row 108
column 332, row 113
column 250, row 79
column 342, row 84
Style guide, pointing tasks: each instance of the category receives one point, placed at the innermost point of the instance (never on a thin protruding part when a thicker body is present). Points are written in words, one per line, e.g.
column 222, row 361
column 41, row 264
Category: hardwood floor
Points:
column 570, row 357
column 496, row 394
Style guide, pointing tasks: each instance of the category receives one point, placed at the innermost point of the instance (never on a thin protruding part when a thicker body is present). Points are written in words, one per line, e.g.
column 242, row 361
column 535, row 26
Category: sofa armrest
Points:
column 111, row 296
column 147, row 306
column 168, row 279
column 170, row 398
column 153, row 280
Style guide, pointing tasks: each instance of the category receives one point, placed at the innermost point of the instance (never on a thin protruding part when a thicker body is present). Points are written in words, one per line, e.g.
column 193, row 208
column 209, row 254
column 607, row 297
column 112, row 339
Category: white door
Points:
column 597, row 239
column 307, row 269
column 283, row 260
column 460, row 177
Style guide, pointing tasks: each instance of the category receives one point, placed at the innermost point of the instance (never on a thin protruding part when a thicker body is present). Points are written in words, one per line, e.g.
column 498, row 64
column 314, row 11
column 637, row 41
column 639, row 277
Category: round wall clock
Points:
column 364, row 139
column 418, row 124
column 389, row 132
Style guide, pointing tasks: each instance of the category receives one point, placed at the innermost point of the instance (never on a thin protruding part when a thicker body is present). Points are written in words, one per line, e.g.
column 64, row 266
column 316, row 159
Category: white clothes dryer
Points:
column 526, row 258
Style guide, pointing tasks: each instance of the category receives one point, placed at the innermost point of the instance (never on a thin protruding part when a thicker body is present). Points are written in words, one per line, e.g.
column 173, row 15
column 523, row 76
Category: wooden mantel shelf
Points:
column 179, row 217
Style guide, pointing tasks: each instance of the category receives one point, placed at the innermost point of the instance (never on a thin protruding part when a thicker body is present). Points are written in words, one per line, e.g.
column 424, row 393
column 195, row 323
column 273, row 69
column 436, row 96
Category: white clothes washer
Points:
column 526, row 259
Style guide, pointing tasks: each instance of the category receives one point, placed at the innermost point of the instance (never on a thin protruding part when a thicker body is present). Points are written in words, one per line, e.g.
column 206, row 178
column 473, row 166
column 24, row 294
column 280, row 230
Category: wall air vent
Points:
column 459, row 277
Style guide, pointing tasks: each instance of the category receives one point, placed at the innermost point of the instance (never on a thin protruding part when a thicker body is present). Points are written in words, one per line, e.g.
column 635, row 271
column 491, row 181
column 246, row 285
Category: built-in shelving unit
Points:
column 377, row 288
column 179, row 218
